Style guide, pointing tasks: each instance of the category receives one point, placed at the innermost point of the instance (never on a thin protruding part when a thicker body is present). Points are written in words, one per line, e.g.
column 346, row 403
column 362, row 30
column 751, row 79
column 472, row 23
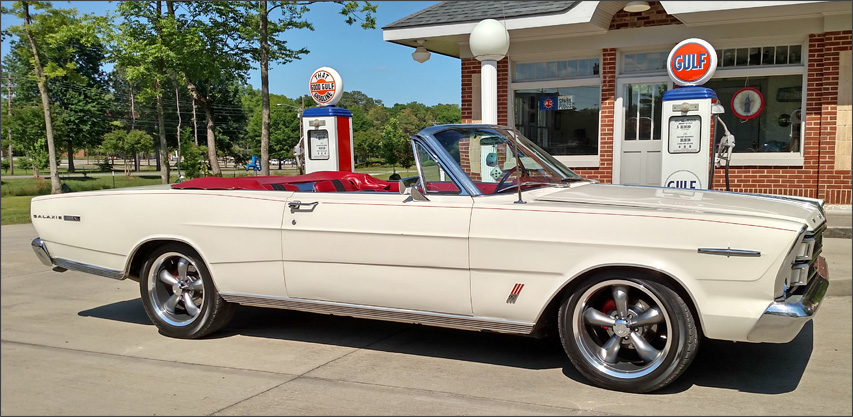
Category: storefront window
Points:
column 763, row 55
column 563, row 121
column 556, row 70
column 779, row 125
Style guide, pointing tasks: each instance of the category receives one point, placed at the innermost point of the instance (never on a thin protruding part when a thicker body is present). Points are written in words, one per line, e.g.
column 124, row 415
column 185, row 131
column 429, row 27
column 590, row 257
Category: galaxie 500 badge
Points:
column 326, row 86
column 57, row 217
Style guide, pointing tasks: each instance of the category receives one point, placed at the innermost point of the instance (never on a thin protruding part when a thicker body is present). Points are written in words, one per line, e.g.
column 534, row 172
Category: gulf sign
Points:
column 692, row 62
column 326, row 86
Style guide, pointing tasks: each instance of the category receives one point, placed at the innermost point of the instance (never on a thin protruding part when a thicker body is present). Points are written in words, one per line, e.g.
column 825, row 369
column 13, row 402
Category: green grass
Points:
column 15, row 210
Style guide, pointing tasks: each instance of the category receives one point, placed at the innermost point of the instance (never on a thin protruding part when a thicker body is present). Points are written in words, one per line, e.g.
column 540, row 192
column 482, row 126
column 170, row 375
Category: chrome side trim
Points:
column 383, row 313
column 730, row 252
column 783, row 320
column 89, row 269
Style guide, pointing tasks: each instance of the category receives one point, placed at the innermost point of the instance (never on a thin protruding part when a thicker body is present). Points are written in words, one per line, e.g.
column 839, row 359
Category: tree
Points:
column 127, row 144
column 41, row 79
column 264, row 33
column 395, row 146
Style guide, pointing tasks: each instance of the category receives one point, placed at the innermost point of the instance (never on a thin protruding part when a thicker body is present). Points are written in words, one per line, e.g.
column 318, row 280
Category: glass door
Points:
column 640, row 131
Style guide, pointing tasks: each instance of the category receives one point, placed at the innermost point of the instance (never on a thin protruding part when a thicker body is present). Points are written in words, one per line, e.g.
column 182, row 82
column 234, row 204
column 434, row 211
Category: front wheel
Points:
column 628, row 334
column 179, row 296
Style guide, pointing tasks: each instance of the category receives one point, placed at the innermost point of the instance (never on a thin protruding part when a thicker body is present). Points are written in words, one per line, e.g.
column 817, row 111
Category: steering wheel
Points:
column 503, row 179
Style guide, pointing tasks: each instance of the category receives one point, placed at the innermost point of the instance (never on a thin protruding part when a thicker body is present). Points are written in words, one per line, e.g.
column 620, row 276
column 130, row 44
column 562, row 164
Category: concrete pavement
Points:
column 78, row 344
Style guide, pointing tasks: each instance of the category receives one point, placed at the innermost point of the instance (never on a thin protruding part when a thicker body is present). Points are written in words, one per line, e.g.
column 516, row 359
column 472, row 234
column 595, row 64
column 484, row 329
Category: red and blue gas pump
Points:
column 327, row 135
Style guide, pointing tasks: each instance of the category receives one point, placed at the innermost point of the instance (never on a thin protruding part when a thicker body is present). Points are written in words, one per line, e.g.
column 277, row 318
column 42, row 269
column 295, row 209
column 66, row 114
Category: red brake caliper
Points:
column 608, row 306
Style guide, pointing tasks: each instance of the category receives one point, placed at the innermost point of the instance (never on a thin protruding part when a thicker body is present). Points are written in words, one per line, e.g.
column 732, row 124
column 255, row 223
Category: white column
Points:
column 489, row 92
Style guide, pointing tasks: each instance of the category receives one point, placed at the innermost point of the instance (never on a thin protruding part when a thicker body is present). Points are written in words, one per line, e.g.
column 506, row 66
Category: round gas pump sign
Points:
column 326, row 86
column 692, row 62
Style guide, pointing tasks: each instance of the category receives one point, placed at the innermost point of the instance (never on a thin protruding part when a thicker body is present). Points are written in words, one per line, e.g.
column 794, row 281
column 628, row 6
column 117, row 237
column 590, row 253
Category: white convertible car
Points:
column 493, row 234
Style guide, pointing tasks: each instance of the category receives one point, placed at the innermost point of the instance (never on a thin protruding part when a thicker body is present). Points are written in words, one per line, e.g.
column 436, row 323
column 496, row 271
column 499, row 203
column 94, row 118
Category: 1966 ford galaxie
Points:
column 493, row 234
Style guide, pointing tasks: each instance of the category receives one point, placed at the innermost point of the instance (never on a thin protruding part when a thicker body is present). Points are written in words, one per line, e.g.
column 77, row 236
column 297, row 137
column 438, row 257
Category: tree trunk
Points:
column 164, row 148
column 211, row 137
column 70, row 157
column 55, row 187
column 9, row 109
column 265, row 91
column 207, row 106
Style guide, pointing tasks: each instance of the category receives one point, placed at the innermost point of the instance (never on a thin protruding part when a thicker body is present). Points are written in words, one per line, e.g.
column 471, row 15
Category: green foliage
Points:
column 194, row 163
column 4, row 164
column 395, row 146
column 127, row 145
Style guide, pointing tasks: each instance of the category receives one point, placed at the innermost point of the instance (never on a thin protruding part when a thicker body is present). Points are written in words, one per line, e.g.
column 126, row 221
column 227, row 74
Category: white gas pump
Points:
column 327, row 143
column 688, row 113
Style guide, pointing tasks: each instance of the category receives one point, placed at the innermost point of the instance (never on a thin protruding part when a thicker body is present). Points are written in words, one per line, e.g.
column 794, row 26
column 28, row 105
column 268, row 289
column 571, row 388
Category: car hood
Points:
column 795, row 209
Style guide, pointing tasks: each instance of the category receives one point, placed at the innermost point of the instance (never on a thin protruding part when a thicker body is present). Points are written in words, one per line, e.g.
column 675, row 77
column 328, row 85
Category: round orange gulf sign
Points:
column 326, row 86
column 692, row 62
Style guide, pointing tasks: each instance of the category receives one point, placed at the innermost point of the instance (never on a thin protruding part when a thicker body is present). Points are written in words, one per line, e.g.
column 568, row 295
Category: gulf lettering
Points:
column 690, row 62
column 681, row 184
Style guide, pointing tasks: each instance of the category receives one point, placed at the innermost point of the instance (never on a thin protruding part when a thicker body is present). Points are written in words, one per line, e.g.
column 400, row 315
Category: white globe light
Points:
column 489, row 41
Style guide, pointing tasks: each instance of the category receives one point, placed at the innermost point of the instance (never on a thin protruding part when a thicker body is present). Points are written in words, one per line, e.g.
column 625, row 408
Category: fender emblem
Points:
column 513, row 295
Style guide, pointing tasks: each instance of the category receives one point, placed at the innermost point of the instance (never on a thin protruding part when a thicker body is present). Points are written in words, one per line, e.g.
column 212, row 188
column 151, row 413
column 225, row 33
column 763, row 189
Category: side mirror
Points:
column 406, row 188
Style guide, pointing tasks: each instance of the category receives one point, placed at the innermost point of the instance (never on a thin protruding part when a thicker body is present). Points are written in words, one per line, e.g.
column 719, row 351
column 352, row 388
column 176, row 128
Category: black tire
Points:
column 179, row 295
column 640, row 346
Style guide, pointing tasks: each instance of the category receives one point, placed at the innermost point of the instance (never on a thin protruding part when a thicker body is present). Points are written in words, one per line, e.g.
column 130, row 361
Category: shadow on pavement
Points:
column 130, row 311
column 748, row 367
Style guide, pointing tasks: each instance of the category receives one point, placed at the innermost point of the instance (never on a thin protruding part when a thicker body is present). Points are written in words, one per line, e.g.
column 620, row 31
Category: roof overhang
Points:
column 593, row 18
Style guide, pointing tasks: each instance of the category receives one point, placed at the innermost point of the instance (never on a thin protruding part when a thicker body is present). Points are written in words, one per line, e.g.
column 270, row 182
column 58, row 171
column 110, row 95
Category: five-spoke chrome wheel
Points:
column 621, row 329
column 179, row 294
column 628, row 334
column 176, row 289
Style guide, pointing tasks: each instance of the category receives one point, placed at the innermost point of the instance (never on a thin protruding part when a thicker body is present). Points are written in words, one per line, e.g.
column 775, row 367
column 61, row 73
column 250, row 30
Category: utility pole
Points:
column 195, row 126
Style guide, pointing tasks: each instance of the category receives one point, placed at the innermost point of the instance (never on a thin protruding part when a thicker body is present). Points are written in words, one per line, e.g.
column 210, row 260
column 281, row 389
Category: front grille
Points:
column 805, row 264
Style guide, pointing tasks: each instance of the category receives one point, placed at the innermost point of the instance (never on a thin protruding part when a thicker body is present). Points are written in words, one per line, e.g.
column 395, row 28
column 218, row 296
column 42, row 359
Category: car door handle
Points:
column 297, row 205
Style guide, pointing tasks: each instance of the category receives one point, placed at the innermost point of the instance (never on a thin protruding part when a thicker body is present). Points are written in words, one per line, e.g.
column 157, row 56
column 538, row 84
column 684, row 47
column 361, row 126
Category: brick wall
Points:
column 471, row 67
column 818, row 178
column 604, row 172
column 655, row 16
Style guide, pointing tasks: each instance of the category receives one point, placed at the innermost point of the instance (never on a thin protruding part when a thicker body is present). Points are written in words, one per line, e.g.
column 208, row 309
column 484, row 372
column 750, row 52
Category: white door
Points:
column 638, row 128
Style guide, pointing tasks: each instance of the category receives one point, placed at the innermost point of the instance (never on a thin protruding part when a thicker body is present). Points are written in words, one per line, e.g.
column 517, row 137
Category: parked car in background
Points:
column 493, row 234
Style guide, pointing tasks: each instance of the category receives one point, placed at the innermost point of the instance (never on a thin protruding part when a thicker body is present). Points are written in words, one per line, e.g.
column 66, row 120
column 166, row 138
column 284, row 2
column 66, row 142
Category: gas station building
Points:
column 585, row 81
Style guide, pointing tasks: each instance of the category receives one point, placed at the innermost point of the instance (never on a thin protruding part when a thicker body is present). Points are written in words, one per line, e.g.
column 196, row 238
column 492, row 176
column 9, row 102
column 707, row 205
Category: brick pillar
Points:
column 608, row 103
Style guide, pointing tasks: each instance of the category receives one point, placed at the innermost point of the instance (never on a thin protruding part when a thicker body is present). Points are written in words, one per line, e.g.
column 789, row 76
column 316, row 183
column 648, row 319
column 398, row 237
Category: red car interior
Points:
column 321, row 181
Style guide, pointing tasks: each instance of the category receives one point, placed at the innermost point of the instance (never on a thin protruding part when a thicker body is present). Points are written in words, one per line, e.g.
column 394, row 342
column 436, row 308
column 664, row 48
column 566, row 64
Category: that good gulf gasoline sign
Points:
column 692, row 62
column 326, row 86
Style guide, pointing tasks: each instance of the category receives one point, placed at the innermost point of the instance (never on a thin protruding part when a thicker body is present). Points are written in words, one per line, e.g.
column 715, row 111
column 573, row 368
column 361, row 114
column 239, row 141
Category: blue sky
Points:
column 382, row 70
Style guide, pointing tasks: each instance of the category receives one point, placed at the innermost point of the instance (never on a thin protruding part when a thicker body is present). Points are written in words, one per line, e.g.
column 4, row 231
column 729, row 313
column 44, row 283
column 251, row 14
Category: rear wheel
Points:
column 627, row 333
column 179, row 296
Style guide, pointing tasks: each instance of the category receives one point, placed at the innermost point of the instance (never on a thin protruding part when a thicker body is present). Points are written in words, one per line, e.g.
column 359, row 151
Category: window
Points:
column 778, row 127
column 433, row 175
column 556, row 70
column 644, row 62
column 759, row 56
column 561, row 120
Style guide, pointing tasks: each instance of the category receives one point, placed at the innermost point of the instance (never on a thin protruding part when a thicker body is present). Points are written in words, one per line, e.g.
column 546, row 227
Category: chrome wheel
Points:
column 175, row 289
column 622, row 329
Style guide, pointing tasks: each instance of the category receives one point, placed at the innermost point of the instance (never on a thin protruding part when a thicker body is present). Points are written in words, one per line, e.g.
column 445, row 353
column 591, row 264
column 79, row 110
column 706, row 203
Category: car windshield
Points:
column 488, row 155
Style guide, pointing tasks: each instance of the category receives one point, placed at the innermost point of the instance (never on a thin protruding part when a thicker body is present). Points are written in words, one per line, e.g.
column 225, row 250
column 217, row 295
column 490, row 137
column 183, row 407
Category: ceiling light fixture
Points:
column 421, row 54
column 636, row 6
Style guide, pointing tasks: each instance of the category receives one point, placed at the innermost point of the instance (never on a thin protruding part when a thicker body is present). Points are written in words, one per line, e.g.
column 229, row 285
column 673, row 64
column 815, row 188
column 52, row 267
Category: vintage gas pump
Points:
column 327, row 139
column 688, row 113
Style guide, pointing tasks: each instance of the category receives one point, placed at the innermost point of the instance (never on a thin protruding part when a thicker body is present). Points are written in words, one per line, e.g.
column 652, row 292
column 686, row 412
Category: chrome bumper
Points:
column 41, row 252
column 782, row 321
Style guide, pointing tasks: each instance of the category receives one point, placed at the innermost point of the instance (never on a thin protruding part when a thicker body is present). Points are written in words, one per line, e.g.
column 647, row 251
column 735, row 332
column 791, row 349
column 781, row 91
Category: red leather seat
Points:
column 334, row 185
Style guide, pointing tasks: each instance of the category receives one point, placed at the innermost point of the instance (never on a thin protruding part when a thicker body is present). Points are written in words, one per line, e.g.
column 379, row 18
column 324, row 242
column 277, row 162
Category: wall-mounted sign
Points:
column 692, row 62
column 556, row 103
column 326, row 86
column 747, row 103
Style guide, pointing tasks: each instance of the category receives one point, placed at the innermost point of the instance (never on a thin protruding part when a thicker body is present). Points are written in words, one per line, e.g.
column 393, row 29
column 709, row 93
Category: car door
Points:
column 379, row 249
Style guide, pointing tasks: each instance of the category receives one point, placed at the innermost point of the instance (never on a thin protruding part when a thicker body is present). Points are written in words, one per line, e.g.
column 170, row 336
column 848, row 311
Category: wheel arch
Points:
column 547, row 320
column 142, row 250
